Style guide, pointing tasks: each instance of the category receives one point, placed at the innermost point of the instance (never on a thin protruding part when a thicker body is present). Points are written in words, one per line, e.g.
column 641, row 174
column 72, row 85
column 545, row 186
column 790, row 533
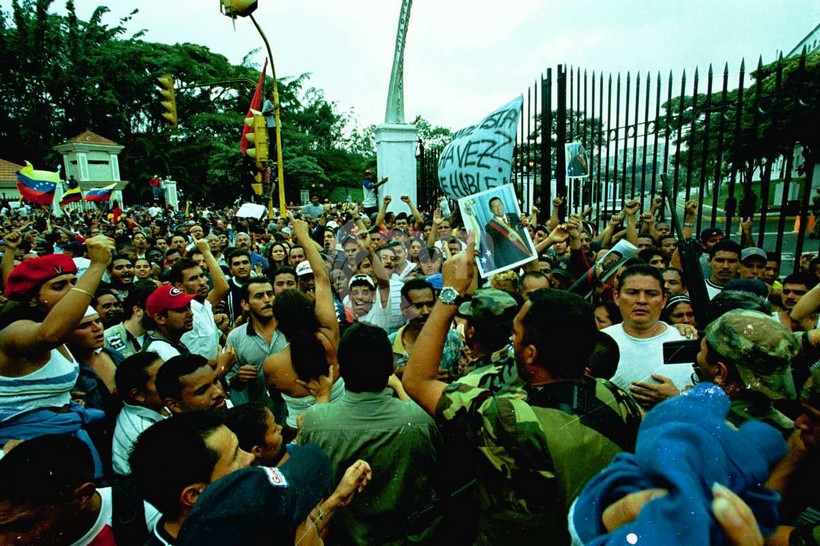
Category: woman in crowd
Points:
column 312, row 330
column 37, row 372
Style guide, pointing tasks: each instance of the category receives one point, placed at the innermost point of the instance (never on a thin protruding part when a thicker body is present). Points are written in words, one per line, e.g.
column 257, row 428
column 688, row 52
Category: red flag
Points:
column 256, row 104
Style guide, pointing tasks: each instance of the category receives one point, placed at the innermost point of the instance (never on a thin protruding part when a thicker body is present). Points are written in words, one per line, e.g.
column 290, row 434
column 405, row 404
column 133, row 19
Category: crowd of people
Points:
column 342, row 374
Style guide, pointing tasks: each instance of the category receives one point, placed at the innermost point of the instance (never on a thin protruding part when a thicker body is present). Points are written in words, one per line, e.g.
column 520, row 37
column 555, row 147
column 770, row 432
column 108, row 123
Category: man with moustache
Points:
column 418, row 298
column 252, row 343
column 121, row 275
column 169, row 309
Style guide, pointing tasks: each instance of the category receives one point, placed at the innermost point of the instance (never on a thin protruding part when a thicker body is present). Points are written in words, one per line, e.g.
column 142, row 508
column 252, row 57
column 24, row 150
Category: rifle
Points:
column 689, row 261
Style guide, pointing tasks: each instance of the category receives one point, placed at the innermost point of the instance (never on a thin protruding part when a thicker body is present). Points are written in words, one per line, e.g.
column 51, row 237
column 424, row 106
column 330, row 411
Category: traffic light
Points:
column 241, row 8
column 169, row 102
column 257, row 139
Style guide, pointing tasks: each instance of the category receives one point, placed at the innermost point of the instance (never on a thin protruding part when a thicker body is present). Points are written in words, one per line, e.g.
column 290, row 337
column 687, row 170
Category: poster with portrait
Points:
column 604, row 267
column 495, row 218
column 577, row 160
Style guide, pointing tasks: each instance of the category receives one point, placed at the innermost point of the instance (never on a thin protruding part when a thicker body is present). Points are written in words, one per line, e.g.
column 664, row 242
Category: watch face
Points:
column 448, row 295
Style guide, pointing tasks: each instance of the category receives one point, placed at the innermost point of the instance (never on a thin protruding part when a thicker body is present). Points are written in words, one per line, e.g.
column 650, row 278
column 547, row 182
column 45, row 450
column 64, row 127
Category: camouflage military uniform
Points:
column 756, row 407
column 495, row 372
column 535, row 456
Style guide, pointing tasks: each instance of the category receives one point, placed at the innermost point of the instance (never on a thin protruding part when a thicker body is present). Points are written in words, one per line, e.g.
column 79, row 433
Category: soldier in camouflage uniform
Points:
column 489, row 315
column 749, row 355
column 532, row 457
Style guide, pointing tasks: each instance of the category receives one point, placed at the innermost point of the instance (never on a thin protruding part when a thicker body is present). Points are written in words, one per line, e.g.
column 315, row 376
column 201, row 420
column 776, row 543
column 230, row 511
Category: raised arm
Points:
column 555, row 219
column 12, row 244
column 220, row 283
column 630, row 210
column 420, row 378
column 379, row 223
column 325, row 309
column 437, row 219
column 24, row 340
column 416, row 214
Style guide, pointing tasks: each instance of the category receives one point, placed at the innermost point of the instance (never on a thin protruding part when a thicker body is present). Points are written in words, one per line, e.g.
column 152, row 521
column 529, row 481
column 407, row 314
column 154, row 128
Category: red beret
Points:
column 35, row 271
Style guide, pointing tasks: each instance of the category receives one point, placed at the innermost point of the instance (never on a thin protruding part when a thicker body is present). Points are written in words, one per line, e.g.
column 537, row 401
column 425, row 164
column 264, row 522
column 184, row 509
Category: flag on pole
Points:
column 256, row 104
column 37, row 186
column 100, row 194
column 72, row 195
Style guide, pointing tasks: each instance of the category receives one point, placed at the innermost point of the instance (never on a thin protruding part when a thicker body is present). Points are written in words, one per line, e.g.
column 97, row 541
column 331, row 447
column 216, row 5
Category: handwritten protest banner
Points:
column 480, row 156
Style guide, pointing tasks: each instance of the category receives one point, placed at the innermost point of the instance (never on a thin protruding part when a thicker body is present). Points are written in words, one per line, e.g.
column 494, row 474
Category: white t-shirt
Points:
column 102, row 529
column 642, row 357
column 203, row 339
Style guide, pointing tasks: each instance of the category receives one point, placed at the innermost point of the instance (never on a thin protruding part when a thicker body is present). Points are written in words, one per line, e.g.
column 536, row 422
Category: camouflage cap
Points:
column 760, row 347
column 490, row 304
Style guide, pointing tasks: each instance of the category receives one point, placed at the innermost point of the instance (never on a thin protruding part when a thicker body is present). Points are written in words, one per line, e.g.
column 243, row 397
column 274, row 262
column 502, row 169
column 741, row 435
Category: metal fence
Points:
column 741, row 149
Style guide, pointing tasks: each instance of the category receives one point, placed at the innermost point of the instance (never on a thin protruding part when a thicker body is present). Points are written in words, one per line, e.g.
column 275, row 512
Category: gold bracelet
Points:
column 86, row 292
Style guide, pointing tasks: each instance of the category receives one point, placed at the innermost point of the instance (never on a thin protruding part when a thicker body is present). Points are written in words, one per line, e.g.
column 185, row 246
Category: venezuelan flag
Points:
column 71, row 196
column 100, row 194
column 37, row 186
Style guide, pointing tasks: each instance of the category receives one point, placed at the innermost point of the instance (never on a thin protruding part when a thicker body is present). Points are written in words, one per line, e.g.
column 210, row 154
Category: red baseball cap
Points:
column 167, row 297
column 35, row 271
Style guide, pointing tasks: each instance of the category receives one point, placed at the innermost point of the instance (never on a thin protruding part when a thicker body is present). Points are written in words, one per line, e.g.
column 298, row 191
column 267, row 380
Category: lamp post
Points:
column 245, row 8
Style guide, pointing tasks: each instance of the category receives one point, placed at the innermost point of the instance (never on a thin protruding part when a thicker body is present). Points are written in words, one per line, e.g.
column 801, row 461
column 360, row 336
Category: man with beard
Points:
column 189, row 383
column 121, row 275
column 128, row 336
column 169, row 309
column 418, row 298
column 253, row 343
column 109, row 306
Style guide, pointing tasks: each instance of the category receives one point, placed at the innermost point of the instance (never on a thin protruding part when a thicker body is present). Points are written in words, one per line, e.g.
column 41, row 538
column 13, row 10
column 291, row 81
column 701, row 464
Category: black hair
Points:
column 725, row 245
column 45, row 470
column 801, row 277
column 131, row 374
column 172, row 454
column 245, row 288
column 612, row 310
column 603, row 362
column 249, row 423
column 238, row 252
column 531, row 274
column 177, row 270
column 284, row 269
column 116, row 257
column 554, row 316
column 137, row 296
column 167, row 381
column 640, row 269
column 415, row 284
column 296, row 319
column 365, row 358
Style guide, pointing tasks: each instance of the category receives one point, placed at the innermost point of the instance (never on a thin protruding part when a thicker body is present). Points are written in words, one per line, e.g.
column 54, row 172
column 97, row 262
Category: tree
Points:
column 60, row 76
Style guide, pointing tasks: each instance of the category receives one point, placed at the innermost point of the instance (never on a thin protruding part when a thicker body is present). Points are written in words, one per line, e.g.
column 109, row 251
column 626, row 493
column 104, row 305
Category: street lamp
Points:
column 245, row 8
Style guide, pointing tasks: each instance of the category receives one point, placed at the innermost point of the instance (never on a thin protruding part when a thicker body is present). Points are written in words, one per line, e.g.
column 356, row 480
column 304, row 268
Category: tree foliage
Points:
column 60, row 76
column 781, row 108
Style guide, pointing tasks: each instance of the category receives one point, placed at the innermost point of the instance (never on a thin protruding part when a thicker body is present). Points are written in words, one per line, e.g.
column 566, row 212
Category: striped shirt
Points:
column 47, row 387
column 131, row 421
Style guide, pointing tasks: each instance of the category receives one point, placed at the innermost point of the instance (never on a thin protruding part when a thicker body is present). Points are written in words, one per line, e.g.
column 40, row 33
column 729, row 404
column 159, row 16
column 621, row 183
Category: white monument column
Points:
column 169, row 187
column 396, row 140
column 396, row 155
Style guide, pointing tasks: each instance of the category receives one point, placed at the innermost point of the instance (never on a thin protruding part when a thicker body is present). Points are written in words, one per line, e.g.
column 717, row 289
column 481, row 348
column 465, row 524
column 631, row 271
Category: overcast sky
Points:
column 464, row 58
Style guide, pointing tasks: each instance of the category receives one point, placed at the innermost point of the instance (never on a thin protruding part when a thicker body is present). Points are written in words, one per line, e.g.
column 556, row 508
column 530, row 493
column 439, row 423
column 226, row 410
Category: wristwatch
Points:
column 449, row 296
